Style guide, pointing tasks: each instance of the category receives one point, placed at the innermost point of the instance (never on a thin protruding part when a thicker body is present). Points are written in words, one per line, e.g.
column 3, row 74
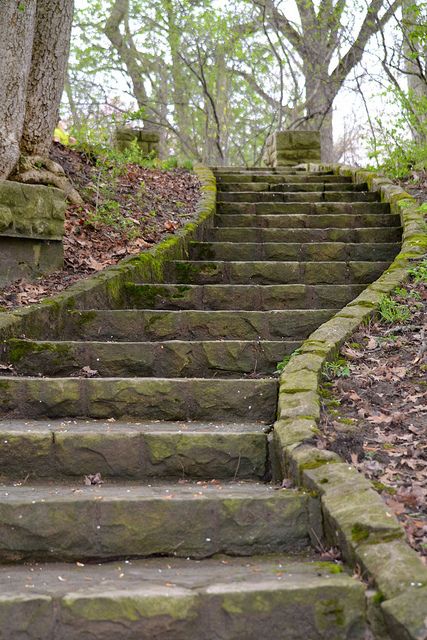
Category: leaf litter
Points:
column 377, row 417
column 146, row 205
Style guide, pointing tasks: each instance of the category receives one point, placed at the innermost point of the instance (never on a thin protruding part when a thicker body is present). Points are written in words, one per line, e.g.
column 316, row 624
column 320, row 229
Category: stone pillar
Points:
column 147, row 141
column 289, row 148
column 31, row 230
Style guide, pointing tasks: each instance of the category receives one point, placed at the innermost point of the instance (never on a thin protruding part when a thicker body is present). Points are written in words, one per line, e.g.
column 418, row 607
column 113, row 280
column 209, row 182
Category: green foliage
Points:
column 339, row 368
column 282, row 364
column 391, row 311
column 418, row 273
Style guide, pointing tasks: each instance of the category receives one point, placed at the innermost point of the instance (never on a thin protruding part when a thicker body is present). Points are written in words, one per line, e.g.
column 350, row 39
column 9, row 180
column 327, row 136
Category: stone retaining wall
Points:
column 355, row 517
column 31, row 230
column 147, row 141
column 105, row 288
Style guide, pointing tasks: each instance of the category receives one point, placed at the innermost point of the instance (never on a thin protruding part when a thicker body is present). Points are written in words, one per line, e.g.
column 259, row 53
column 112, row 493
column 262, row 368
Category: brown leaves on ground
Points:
column 377, row 418
column 150, row 204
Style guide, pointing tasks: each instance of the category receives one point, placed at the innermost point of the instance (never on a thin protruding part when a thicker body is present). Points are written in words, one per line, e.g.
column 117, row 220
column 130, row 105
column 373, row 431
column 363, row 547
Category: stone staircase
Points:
column 171, row 400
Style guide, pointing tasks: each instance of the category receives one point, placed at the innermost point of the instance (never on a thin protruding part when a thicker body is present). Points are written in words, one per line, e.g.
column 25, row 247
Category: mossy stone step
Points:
column 132, row 325
column 128, row 519
column 306, row 221
column 239, row 296
column 168, row 359
column 254, row 187
column 331, row 234
column 228, row 598
column 296, row 196
column 309, row 251
column 140, row 398
column 75, row 448
column 303, row 208
column 280, row 178
column 264, row 272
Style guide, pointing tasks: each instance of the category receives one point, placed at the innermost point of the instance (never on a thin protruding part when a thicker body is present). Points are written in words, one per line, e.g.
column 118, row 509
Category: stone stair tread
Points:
column 77, row 426
column 59, row 449
column 278, row 221
column 143, row 398
column 69, row 520
column 181, row 599
column 169, row 358
column 313, row 234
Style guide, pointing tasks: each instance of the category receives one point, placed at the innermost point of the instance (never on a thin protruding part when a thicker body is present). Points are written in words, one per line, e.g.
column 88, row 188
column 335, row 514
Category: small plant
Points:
column 282, row 364
column 391, row 311
column 337, row 369
column 418, row 273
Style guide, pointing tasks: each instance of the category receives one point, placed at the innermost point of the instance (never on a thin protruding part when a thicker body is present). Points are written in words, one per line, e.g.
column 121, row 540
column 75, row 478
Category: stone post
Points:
column 147, row 141
column 289, row 148
column 31, row 230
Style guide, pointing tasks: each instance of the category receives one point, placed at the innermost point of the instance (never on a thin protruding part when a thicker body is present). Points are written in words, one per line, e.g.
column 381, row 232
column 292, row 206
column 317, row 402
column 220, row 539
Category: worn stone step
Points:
column 280, row 178
column 307, row 221
column 295, row 196
column 168, row 359
column 254, row 187
column 239, row 296
column 309, row 251
column 70, row 448
column 218, row 171
column 264, row 272
column 128, row 519
column 303, row 208
column 141, row 398
column 131, row 325
column 331, row 234
column 230, row 598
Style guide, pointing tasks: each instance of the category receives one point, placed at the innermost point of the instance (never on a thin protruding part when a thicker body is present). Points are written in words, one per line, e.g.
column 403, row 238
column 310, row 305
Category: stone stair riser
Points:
column 332, row 234
column 133, row 325
column 307, row 221
column 295, row 197
column 239, row 297
column 303, row 208
column 147, row 399
column 102, row 524
column 290, row 187
column 200, row 272
column 131, row 453
column 182, row 600
column 280, row 179
column 293, row 251
column 172, row 359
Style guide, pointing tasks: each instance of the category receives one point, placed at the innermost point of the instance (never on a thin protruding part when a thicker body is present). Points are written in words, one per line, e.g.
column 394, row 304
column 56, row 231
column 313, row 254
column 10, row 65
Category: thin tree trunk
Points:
column 16, row 45
column 416, row 68
column 47, row 76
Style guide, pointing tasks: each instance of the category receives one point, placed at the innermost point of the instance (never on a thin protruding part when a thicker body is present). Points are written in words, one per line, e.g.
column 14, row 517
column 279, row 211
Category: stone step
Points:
column 131, row 450
column 158, row 598
column 132, row 325
column 303, row 208
column 239, row 296
column 168, row 359
column 331, row 234
column 281, row 178
column 296, row 196
column 309, row 251
column 254, row 187
column 218, row 171
column 141, row 398
column 203, row 272
column 71, row 521
column 307, row 221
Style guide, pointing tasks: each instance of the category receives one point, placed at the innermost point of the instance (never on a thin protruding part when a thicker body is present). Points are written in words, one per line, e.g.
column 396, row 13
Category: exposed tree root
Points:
column 41, row 170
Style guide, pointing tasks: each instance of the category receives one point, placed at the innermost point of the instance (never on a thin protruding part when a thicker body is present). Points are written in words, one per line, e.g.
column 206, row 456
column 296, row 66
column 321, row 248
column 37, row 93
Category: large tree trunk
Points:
column 47, row 76
column 416, row 68
column 320, row 93
column 16, row 46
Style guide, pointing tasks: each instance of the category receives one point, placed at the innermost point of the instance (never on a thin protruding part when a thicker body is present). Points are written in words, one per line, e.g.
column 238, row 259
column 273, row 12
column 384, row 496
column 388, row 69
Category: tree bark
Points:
column 416, row 70
column 47, row 76
column 17, row 21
